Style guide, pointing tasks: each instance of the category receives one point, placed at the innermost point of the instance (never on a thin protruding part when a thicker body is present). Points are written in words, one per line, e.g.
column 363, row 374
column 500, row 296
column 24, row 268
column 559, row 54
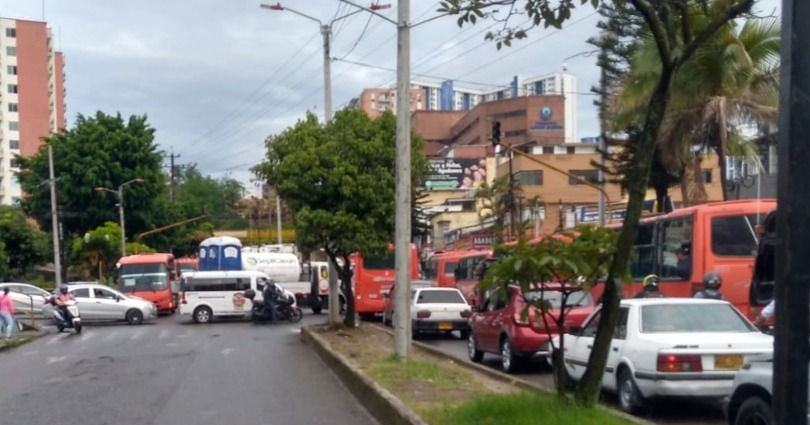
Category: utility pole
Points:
column 791, row 345
column 278, row 218
column 173, row 175
column 57, row 258
column 326, row 31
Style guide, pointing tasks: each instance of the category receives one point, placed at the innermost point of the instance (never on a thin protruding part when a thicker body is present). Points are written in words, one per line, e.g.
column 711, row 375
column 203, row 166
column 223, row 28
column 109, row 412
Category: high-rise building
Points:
column 449, row 96
column 32, row 96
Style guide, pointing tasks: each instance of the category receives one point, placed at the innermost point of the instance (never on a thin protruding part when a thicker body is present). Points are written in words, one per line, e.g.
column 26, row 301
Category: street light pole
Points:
column 57, row 259
column 120, row 194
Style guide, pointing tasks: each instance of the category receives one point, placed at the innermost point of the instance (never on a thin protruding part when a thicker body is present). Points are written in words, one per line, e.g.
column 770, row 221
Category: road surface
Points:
column 173, row 373
column 675, row 412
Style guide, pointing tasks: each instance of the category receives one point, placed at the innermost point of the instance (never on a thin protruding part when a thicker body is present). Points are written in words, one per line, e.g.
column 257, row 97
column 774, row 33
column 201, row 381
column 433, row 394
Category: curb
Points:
column 509, row 379
column 383, row 405
column 22, row 341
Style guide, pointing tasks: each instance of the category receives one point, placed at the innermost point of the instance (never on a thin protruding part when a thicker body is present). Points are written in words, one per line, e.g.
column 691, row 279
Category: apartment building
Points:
column 32, row 96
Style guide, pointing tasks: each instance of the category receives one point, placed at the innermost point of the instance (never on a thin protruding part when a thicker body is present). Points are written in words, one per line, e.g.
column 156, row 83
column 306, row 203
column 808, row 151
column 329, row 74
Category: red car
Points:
column 500, row 325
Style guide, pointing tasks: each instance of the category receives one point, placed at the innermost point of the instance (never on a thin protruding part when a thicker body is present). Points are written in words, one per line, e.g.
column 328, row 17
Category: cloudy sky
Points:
column 215, row 77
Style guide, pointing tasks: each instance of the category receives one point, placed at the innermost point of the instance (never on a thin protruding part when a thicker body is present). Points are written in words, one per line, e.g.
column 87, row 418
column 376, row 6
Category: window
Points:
column 11, row 50
column 735, row 235
column 707, row 175
column 620, row 332
column 13, row 144
column 529, row 178
column 591, row 176
column 12, row 107
column 15, row 162
column 589, row 329
column 643, row 258
column 104, row 293
column 11, row 32
column 215, row 284
column 450, row 269
column 429, row 271
column 12, row 69
column 692, row 318
column 13, row 125
column 554, row 298
column 384, row 262
column 570, row 150
column 548, row 150
column 675, row 256
column 440, row 297
column 81, row 293
column 466, row 267
column 12, row 88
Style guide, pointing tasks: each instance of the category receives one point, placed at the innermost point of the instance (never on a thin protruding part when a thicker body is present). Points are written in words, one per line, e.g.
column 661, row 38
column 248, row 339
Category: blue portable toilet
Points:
column 221, row 253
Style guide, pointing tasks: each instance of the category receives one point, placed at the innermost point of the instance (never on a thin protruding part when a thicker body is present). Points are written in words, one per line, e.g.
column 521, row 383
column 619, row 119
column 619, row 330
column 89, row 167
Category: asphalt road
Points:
column 675, row 412
column 173, row 373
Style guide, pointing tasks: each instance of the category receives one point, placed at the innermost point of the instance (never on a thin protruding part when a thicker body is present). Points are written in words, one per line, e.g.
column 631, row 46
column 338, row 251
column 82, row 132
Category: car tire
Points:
column 630, row 399
column 464, row 335
column 78, row 327
column 202, row 314
column 754, row 411
column 415, row 334
column 510, row 362
column 317, row 310
column 134, row 317
column 473, row 352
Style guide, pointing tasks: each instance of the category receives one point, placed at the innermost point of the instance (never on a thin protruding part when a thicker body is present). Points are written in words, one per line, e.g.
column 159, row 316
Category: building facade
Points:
column 32, row 96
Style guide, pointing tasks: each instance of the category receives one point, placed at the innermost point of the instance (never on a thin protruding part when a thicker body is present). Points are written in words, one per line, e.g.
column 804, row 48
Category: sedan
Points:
column 679, row 347
column 102, row 303
column 27, row 298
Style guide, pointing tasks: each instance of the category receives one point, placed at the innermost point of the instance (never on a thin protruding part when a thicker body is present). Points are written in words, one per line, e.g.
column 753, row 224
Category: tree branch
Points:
column 686, row 29
column 718, row 21
column 657, row 28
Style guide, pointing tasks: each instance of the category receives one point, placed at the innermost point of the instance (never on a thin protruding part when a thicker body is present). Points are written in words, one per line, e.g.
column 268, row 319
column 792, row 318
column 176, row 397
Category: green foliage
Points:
column 522, row 409
column 218, row 198
column 23, row 245
column 338, row 179
column 96, row 253
column 496, row 202
column 99, row 151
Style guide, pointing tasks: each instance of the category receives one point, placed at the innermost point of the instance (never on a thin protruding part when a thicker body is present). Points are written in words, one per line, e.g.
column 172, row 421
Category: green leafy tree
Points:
column 678, row 29
column 567, row 264
column 496, row 203
column 3, row 260
column 99, row 151
column 337, row 178
column 97, row 252
column 24, row 245
column 218, row 198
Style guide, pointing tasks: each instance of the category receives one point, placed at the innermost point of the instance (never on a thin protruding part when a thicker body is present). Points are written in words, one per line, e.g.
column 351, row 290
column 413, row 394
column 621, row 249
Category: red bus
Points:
column 186, row 264
column 681, row 246
column 151, row 277
column 441, row 267
column 373, row 278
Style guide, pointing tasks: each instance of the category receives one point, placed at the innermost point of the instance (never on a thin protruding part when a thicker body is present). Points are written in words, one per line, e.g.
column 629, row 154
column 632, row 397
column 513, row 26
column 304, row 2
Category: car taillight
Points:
column 422, row 314
column 521, row 319
column 679, row 363
column 466, row 314
column 183, row 298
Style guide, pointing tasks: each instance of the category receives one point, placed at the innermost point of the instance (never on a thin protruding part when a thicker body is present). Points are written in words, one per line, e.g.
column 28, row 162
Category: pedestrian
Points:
column 6, row 313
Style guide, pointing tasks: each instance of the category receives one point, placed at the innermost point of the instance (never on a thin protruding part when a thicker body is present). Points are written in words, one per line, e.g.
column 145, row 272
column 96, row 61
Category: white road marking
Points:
column 56, row 338
column 164, row 334
column 136, row 335
column 85, row 336
column 110, row 335
column 52, row 360
column 226, row 351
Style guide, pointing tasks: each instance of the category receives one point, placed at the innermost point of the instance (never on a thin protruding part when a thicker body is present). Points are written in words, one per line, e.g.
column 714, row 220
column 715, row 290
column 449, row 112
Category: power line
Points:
column 362, row 33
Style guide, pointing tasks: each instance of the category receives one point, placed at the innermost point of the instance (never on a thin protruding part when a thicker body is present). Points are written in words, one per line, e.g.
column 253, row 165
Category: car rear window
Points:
column 692, row 318
column 576, row 299
column 443, row 297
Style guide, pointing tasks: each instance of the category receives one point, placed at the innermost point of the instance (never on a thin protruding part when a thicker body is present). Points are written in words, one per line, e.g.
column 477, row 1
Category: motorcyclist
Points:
column 61, row 299
column 711, row 287
column 271, row 296
column 650, row 289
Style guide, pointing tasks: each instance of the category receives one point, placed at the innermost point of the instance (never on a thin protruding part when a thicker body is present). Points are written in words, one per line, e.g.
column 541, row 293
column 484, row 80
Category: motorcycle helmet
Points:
column 651, row 282
column 712, row 281
column 63, row 289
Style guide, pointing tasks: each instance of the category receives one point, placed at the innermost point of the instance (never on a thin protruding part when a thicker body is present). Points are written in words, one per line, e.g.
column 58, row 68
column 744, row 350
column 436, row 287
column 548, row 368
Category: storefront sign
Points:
column 456, row 174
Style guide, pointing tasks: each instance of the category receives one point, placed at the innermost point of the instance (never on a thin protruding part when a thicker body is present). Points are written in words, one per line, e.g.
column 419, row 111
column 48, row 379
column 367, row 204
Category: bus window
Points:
column 735, row 235
column 675, row 255
column 384, row 262
column 643, row 257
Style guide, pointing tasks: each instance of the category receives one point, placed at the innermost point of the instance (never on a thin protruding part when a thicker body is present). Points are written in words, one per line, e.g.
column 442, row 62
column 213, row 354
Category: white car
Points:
column 438, row 310
column 102, row 303
column 750, row 401
column 27, row 298
column 680, row 347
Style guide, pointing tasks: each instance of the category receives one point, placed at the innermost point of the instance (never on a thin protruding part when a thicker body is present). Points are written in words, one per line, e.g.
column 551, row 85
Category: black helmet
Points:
column 712, row 281
column 63, row 289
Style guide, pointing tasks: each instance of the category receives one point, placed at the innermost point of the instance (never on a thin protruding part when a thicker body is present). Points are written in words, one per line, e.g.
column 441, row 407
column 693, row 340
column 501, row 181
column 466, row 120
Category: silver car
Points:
column 27, row 298
column 102, row 303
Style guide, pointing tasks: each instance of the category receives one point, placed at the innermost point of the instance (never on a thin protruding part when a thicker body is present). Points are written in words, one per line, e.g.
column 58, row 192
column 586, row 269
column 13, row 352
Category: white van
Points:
column 206, row 294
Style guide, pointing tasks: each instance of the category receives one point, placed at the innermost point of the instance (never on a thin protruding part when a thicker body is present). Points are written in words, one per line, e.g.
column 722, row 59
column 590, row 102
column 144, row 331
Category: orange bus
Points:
column 373, row 278
column 681, row 246
column 151, row 277
column 441, row 267
column 186, row 264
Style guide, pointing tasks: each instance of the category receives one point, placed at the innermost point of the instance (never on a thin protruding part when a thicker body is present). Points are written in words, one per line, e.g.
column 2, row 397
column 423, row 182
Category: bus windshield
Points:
column 385, row 262
column 142, row 277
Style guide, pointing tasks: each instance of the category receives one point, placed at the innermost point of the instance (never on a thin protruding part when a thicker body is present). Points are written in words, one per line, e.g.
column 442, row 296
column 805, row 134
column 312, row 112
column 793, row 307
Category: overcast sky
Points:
column 215, row 77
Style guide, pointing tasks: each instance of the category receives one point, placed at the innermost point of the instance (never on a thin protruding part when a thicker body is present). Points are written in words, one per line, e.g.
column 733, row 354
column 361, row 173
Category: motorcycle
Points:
column 286, row 309
column 68, row 316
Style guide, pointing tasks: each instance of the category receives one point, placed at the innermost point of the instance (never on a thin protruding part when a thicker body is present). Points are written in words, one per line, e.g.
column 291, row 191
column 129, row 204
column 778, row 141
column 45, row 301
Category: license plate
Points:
column 728, row 361
column 444, row 326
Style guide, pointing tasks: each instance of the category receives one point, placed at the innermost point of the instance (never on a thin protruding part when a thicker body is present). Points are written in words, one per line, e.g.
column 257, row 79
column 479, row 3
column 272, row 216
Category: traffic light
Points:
column 496, row 133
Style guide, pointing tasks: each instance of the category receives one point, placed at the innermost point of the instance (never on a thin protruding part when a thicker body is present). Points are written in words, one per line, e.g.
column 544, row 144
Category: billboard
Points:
column 456, row 173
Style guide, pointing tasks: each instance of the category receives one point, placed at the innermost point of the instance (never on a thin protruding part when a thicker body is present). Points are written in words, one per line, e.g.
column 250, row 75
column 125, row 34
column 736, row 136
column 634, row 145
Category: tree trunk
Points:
column 692, row 187
column 590, row 386
column 346, row 283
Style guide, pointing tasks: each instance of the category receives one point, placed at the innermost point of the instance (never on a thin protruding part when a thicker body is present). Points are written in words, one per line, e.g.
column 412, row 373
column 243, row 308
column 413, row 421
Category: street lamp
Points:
column 326, row 31
column 120, row 194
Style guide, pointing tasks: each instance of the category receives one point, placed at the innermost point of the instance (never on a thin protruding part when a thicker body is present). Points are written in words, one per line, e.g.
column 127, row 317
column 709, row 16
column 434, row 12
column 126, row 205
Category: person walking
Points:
column 6, row 313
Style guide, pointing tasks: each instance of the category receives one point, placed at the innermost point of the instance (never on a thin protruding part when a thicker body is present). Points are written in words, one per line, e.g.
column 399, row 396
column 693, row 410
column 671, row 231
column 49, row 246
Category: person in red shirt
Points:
column 6, row 313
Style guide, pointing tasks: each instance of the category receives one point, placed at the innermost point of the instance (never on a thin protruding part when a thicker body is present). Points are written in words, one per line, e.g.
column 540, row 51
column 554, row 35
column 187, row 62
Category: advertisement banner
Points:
column 456, row 173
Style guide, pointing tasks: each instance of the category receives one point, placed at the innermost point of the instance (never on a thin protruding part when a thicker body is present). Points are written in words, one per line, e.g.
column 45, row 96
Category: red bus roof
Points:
column 146, row 258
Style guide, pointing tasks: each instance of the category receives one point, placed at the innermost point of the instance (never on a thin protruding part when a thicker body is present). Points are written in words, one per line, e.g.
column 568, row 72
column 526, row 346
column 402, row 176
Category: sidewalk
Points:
column 19, row 338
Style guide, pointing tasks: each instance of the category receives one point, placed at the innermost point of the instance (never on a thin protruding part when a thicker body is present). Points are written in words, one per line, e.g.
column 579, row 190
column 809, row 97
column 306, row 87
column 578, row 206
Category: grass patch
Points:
column 519, row 409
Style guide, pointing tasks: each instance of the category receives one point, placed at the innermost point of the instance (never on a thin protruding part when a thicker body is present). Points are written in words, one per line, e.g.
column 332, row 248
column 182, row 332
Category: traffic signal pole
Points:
column 792, row 296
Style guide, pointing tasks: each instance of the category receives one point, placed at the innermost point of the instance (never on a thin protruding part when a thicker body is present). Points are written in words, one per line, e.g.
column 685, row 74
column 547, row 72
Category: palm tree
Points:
column 729, row 82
